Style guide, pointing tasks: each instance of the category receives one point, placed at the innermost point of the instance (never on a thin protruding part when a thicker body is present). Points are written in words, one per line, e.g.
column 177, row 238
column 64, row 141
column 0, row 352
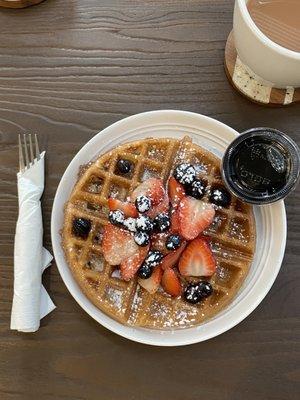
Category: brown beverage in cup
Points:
column 279, row 20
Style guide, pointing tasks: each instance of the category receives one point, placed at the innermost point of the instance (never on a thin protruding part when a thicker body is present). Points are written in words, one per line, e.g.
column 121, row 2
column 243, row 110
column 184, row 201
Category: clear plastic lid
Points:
column 261, row 166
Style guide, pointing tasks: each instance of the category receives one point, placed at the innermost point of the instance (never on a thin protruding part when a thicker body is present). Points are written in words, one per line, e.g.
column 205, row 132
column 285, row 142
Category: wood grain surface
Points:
column 66, row 72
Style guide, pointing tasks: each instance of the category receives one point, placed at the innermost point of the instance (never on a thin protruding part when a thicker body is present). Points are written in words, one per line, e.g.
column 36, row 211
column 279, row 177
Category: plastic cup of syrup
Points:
column 261, row 166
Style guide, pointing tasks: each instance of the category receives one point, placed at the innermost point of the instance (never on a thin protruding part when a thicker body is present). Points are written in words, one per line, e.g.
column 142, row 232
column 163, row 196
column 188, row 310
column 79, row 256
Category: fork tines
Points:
column 26, row 151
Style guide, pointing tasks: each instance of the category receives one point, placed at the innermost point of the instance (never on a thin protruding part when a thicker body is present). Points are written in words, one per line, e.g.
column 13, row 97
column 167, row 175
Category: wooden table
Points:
column 68, row 70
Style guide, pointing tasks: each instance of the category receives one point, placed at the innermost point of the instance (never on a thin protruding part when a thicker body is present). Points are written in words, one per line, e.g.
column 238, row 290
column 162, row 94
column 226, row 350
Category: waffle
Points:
column 232, row 236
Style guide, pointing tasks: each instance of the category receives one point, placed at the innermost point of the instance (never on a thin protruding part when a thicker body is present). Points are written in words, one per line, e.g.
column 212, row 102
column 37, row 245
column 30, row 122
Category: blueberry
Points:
column 143, row 203
column 81, row 227
column 173, row 242
column 130, row 224
column 185, row 174
column 153, row 258
column 196, row 189
column 144, row 224
column 162, row 222
column 116, row 217
column 145, row 271
column 141, row 238
column 195, row 292
column 220, row 196
column 124, row 166
column 180, row 170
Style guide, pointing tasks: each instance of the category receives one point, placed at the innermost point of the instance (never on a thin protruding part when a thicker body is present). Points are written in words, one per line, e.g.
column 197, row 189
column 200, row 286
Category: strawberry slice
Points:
column 194, row 217
column 175, row 221
column 130, row 266
column 128, row 209
column 153, row 188
column 197, row 259
column 171, row 283
column 151, row 284
column 176, row 191
column 171, row 259
column 158, row 242
column 161, row 207
column 117, row 244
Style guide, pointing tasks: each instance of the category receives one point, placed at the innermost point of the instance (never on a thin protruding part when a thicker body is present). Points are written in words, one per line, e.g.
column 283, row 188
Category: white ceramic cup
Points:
column 273, row 64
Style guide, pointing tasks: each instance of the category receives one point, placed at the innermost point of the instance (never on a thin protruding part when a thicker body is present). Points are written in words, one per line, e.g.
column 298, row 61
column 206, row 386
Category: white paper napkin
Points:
column 31, row 302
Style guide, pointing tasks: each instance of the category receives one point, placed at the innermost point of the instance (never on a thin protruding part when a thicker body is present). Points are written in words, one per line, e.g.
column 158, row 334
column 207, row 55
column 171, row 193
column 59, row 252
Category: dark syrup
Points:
column 261, row 165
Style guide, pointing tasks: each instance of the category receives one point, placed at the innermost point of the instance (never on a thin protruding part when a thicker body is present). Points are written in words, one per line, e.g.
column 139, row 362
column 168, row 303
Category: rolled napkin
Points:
column 31, row 302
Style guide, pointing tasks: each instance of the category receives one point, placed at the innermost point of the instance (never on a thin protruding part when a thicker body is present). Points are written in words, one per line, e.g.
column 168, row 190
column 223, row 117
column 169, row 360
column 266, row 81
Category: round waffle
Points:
column 232, row 235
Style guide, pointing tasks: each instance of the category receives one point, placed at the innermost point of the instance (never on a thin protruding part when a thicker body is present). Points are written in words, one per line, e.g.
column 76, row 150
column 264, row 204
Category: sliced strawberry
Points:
column 151, row 284
column 161, row 207
column 171, row 283
column 197, row 259
column 117, row 244
column 153, row 188
column 130, row 266
column 128, row 209
column 171, row 259
column 175, row 221
column 176, row 191
column 158, row 242
column 194, row 217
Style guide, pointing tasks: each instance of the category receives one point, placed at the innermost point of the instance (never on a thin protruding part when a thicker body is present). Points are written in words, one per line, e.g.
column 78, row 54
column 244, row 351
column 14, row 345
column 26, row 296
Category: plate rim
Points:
column 130, row 332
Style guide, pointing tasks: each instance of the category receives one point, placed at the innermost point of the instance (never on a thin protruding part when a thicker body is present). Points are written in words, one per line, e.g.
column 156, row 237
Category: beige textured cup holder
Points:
column 251, row 85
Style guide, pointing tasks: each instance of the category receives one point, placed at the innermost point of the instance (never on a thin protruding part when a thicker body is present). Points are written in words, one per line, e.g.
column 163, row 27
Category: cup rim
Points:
column 279, row 137
column 262, row 37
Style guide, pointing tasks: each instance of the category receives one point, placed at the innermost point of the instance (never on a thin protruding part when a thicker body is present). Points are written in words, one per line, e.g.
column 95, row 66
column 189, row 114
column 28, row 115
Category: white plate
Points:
column 270, row 224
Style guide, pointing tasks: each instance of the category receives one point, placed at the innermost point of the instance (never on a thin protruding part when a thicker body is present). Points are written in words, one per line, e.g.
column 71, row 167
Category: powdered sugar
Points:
column 201, row 168
column 218, row 222
column 114, row 296
column 153, row 258
column 136, row 303
column 238, row 231
column 96, row 263
column 94, row 187
column 114, row 191
column 116, row 274
column 185, row 317
column 143, row 203
column 148, row 173
column 159, row 311
column 156, row 153
column 144, row 223
column 185, row 173
column 222, row 273
column 141, row 238
column 130, row 224
column 116, row 217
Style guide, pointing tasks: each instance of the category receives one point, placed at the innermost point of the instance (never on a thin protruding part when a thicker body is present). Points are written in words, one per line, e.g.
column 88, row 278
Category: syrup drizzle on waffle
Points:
column 232, row 236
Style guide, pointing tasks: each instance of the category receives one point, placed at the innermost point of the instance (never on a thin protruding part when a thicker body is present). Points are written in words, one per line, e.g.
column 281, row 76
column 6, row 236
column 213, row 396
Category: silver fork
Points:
column 26, row 151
